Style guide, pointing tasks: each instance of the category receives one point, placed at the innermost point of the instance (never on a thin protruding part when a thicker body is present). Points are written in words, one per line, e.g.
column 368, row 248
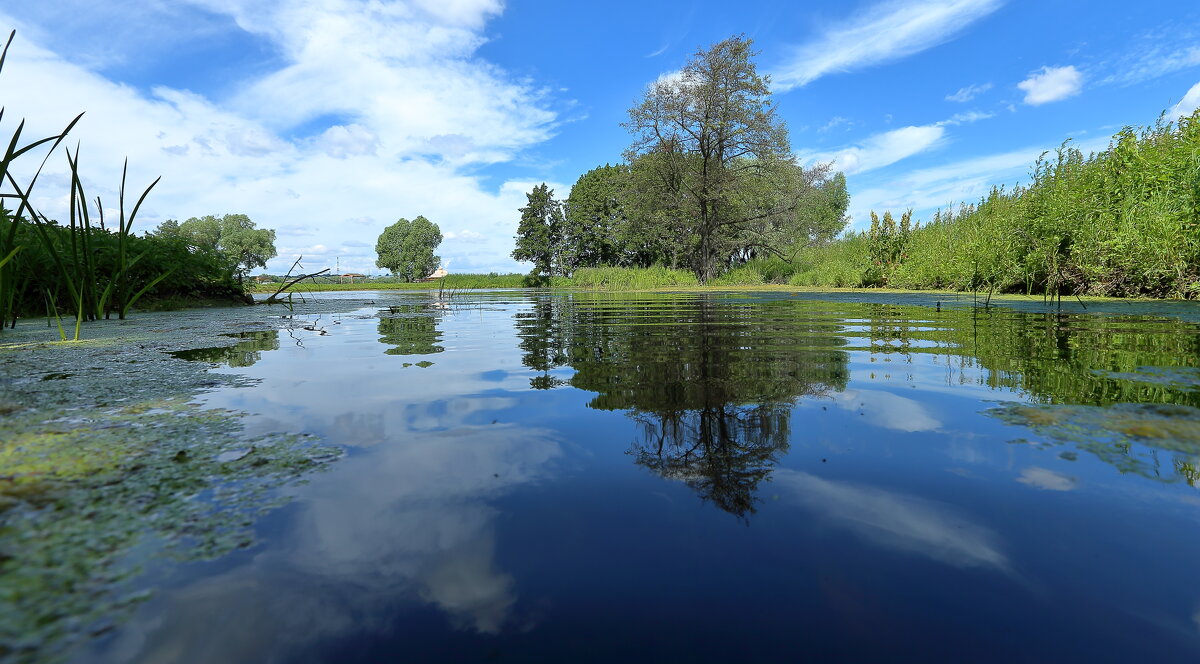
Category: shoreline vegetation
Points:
column 725, row 203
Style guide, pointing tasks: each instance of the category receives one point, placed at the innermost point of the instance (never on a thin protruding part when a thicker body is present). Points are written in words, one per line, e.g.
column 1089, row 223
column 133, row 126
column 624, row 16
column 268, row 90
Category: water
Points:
column 708, row 478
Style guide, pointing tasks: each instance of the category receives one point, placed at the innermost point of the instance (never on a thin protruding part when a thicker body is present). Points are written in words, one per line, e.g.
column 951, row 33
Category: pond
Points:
column 704, row 478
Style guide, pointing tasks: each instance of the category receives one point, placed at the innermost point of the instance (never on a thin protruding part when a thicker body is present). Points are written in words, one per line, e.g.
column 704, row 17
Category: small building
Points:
column 354, row 275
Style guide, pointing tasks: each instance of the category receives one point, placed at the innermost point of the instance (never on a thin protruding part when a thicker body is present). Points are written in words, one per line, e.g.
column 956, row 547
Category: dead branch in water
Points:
column 274, row 299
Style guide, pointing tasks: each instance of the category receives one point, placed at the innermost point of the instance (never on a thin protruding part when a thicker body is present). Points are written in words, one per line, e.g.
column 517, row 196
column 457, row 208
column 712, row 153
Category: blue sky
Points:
column 329, row 119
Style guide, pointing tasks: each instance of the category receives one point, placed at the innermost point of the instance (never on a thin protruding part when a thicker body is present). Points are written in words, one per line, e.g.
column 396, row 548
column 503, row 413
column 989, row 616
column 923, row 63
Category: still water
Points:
column 708, row 478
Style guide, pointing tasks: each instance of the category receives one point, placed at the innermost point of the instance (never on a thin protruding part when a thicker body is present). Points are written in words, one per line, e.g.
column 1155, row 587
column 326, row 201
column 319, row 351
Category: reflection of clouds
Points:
column 888, row 410
column 1047, row 479
column 409, row 521
column 466, row 585
column 897, row 521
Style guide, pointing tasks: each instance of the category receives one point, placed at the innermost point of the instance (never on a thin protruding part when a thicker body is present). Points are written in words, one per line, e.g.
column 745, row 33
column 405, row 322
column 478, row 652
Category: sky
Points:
column 328, row 120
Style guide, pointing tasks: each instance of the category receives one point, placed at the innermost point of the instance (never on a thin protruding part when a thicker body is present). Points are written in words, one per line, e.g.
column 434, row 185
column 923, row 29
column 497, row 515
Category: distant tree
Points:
column 539, row 235
column 233, row 238
column 406, row 248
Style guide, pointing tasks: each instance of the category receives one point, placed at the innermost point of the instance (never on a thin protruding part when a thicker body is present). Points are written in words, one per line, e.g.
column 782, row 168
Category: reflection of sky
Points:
column 887, row 410
column 408, row 522
column 897, row 521
column 467, row 502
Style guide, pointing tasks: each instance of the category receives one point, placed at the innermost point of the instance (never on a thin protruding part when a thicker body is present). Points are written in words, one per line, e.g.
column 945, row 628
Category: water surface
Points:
column 589, row 477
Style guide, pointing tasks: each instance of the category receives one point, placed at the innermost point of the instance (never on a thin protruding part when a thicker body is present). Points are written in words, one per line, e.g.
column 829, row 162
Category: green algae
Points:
column 1128, row 436
column 107, row 466
column 1179, row 378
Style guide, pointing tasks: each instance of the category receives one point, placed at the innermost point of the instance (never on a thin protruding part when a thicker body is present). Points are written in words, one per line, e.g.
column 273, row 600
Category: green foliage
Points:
column 716, row 148
column 841, row 264
column 596, row 228
column 232, row 240
column 620, row 278
column 539, row 234
column 1122, row 222
column 406, row 248
column 887, row 246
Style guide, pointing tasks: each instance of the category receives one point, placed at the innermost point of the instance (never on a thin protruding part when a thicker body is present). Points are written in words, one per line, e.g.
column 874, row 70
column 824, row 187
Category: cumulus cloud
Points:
column 1189, row 103
column 1051, row 84
column 360, row 111
column 884, row 32
column 968, row 93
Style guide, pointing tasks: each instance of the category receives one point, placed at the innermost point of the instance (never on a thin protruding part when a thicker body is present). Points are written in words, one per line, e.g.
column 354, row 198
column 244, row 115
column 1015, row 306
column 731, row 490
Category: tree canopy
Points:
column 713, row 173
column 539, row 234
column 406, row 248
column 233, row 238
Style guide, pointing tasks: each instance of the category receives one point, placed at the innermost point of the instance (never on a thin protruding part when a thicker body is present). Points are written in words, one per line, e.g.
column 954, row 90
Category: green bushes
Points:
column 622, row 278
column 1123, row 222
column 154, row 268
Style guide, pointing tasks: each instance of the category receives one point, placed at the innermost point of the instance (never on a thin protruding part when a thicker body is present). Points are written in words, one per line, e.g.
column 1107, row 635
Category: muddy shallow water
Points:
column 515, row 476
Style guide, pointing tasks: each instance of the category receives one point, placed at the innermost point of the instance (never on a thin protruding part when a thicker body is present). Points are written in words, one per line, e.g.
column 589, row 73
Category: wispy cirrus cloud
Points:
column 1050, row 84
column 1152, row 54
column 889, row 147
column 879, row 150
column 882, row 33
column 968, row 93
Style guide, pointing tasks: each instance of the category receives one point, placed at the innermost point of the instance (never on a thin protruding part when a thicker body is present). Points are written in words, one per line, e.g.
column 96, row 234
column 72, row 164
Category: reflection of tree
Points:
column 410, row 329
column 542, row 343
column 242, row 354
column 721, row 452
column 710, row 383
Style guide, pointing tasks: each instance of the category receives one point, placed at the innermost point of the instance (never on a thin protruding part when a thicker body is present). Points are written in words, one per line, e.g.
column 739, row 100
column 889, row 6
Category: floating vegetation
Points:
column 1128, row 436
column 1180, row 378
column 106, row 465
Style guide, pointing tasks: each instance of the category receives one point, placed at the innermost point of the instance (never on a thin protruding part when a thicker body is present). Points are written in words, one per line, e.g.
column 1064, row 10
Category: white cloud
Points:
column 968, row 93
column 370, row 112
column 1189, row 103
column 1051, row 84
column 834, row 122
column 1047, row 480
column 965, row 118
column 466, row 235
column 884, row 32
column 880, row 150
column 1153, row 54
column 887, row 410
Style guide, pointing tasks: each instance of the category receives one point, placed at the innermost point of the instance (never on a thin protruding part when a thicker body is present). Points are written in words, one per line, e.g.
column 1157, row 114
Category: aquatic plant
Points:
column 91, row 268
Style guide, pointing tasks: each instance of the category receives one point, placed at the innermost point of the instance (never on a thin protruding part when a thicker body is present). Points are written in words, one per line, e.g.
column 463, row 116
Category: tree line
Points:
column 708, row 183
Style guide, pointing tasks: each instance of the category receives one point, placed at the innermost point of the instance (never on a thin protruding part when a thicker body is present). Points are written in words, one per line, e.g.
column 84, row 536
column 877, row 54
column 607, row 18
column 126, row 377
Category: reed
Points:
column 95, row 284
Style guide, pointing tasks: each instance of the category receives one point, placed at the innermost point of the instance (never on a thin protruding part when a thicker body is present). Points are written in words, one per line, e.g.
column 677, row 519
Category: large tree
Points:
column 711, row 157
column 406, row 248
column 539, row 235
column 233, row 238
